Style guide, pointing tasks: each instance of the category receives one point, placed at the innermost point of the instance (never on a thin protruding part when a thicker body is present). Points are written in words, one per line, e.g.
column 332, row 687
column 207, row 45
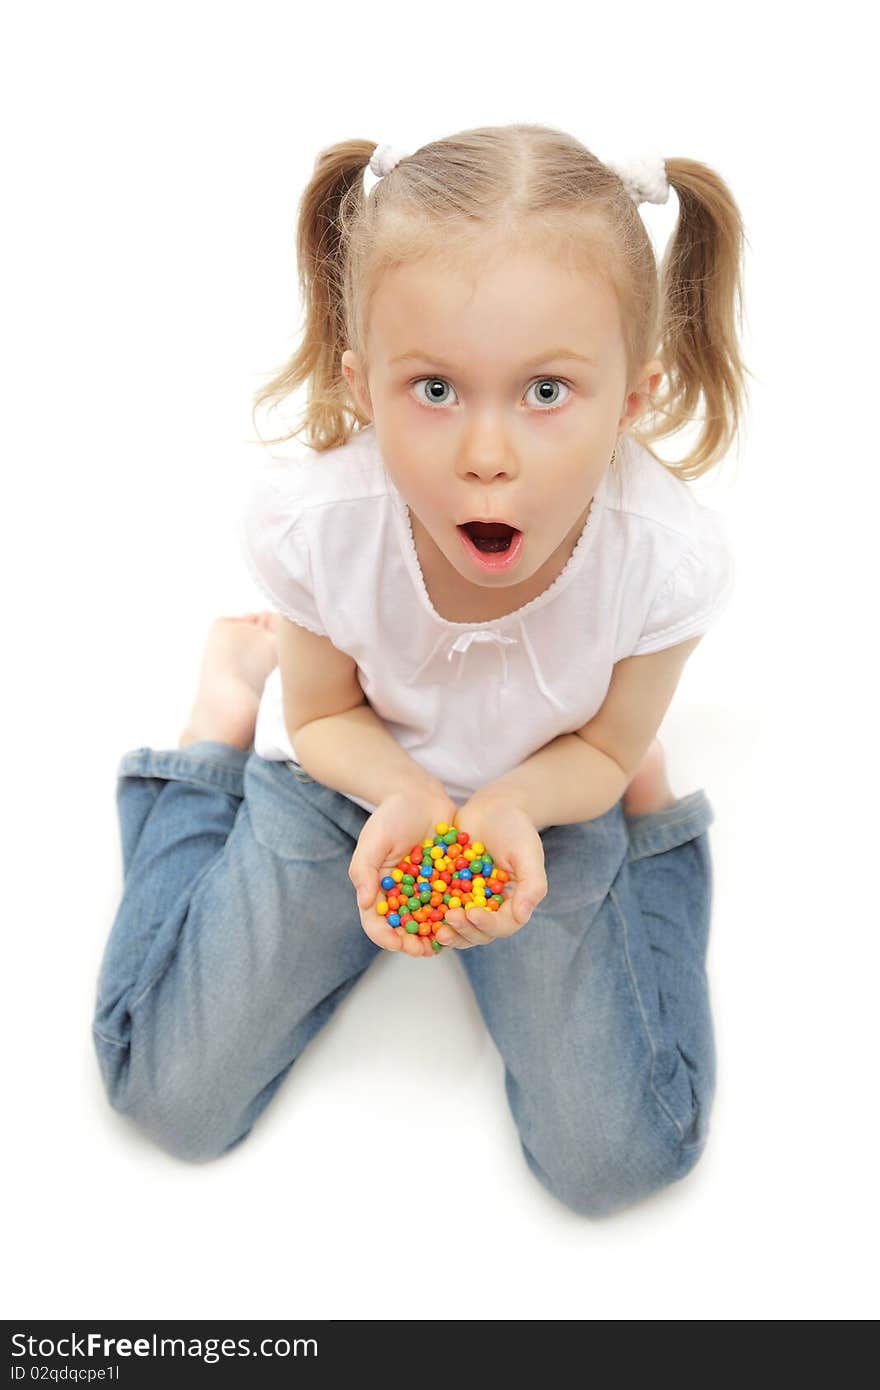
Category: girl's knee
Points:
column 179, row 1111
column 599, row 1149
column 182, row 1130
column 191, row 1146
column 609, row 1178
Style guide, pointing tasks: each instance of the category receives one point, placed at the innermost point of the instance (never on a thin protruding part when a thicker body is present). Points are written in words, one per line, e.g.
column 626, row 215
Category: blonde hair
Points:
column 519, row 185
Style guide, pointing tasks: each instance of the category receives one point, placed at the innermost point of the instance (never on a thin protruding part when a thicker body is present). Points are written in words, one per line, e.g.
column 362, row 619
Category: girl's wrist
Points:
column 417, row 783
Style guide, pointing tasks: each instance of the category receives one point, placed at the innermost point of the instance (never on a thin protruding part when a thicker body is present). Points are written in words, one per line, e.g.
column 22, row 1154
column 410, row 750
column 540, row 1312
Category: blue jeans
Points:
column 238, row 935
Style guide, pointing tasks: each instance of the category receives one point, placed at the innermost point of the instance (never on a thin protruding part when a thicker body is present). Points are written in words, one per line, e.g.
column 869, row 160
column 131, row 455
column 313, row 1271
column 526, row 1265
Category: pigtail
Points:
column 701, row 315
column 331, row 199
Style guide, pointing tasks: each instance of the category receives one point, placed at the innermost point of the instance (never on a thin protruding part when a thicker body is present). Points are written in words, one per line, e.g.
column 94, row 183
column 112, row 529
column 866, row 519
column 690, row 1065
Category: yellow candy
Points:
column 478, row 848
column 441, row 828
column 436, row 852
column 397, row 875
column 382, row 908
column 478, row 881
column 455, row 902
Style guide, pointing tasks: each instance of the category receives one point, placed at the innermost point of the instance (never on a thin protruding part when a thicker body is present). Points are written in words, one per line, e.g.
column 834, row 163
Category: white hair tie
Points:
column 644, row 178
column 384, row 158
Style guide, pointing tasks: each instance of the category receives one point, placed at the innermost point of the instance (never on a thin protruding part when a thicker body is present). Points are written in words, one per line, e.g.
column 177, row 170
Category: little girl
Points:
column 485, row 585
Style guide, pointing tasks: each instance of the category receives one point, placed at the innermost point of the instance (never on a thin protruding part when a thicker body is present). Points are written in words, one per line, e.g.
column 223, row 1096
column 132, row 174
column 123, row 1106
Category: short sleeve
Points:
column 275, row 549
column 694, row 593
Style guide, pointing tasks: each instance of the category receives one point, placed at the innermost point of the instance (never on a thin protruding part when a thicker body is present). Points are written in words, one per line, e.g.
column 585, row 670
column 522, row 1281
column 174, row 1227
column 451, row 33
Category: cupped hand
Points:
column 498, row 820
column 402, row 820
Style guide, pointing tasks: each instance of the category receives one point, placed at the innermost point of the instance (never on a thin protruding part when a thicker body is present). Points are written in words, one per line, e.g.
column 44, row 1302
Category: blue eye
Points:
column 433, row 381
column 551, row 381
column 438, row 400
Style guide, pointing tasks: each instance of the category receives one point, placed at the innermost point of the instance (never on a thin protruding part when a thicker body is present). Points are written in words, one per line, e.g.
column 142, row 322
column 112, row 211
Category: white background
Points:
column 153, row 159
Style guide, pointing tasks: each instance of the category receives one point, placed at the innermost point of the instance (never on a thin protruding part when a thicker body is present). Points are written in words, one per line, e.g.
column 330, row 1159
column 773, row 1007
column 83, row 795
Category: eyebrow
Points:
column 553, row 355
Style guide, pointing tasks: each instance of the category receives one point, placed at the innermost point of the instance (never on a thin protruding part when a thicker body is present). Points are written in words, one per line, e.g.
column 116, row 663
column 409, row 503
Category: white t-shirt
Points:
column 327, row 538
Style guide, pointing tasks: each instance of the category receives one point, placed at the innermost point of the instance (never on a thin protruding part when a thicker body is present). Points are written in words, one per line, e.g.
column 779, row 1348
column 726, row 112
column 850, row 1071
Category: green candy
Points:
column 412, row 927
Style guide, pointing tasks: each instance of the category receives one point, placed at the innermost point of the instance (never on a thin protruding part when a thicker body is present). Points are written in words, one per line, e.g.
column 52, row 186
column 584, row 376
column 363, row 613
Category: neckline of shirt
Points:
column 575, row 560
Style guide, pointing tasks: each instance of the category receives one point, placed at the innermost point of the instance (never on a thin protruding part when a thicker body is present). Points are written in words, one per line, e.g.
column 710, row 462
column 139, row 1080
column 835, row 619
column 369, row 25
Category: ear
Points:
column 357, row 381
column 637, row 401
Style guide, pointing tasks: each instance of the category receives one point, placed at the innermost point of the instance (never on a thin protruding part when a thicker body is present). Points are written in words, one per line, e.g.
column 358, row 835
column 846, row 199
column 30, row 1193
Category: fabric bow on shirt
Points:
column 463, row 642
column 461, row 645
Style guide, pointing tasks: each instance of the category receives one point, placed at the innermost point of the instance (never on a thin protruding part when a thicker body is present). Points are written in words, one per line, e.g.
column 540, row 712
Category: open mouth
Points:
column 490, row 537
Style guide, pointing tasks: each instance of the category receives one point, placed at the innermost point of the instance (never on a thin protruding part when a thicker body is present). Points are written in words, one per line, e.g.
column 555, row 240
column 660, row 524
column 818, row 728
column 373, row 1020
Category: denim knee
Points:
column 177, row 1112
column 603, row 1191
column 596, row 1166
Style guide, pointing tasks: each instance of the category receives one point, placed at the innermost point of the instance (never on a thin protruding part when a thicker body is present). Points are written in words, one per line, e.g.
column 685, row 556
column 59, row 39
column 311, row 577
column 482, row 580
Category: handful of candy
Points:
column 440, row 873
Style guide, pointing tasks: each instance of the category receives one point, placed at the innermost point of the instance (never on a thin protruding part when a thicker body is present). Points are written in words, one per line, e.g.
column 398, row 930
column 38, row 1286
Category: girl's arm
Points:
column 579, row 776
column 354, row 752
column 339, row 739
column 566, row 781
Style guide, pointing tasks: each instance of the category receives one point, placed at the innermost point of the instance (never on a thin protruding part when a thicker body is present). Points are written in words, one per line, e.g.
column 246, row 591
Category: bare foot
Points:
column 239, row 654
column 649, row 789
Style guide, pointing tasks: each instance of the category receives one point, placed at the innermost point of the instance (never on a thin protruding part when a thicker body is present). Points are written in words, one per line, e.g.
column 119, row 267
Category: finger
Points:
column 529, row 894
column 496, row 924
column 493, row 925
column 470, row 927
column 379, row 932
column 449, row 937
column 531, row 884
column 484, row 924
column 413, row 944
column 366, row 884
column 365, row 868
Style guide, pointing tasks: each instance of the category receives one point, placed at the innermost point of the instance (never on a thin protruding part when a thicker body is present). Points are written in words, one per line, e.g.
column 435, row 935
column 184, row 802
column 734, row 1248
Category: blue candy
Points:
column 387, row 881
column 393, row 919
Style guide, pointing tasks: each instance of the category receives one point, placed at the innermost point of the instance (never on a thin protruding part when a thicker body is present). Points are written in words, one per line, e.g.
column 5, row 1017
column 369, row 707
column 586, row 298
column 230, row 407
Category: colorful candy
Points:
column 441, row 873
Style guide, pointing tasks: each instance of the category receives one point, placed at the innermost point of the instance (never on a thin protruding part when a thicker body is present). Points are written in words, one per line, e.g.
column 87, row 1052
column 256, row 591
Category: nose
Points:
column 486, row 452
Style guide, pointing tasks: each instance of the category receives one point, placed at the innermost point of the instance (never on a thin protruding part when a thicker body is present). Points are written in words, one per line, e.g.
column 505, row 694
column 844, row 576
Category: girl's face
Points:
column 497, row 396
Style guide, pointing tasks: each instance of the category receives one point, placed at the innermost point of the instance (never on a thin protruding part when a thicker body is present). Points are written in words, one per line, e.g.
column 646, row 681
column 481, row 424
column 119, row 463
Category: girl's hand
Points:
column 403, row 819
column 499, row 822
